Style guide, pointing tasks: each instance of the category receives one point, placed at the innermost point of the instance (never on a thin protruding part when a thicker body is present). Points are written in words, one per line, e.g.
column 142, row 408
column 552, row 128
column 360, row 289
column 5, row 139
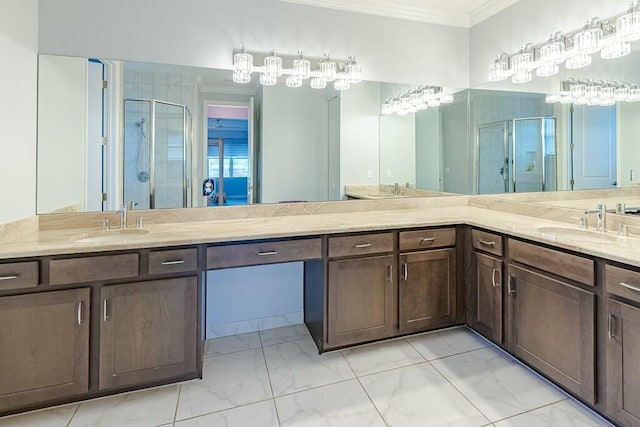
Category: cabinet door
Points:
column 361, row 303
column 485, row 296
column 44, row 347
column 552, row 327
column 427, row 289
column 148, row 331
column 623, row 363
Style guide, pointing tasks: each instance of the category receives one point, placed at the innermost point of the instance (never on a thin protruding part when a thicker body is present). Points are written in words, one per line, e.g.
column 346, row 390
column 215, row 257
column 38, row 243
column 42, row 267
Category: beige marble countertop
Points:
column 30, row 238
column 373, row 192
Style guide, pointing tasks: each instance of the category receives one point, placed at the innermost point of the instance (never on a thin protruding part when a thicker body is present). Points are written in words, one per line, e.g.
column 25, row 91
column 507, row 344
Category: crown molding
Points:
column 396, row 10
column 489, row 9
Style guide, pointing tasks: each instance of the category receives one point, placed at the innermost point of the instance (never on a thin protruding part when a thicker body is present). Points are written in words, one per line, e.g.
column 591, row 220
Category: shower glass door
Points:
column 157, row 139
column 534, row 158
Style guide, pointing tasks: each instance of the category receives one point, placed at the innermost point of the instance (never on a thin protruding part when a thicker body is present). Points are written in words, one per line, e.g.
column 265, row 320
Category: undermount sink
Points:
column 576, row 235
column 113, row 235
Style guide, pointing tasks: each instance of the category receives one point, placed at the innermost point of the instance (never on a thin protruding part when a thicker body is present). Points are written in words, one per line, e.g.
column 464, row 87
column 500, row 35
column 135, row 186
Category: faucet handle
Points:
column 106, row 223
column 623, row 229
column 139, row 222
column 583, row 222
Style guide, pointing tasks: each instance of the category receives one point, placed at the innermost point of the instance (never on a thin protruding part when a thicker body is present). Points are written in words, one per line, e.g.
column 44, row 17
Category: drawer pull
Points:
column 628, row 286
column 486, row 242
column 390, row 272
column 405, row 271
column 428, row 239
column 80, row 319
column 267, row 253
column 610, row 333
column 105, row 316
column 12, row 277
column 510, row 289
column 363, row 246
column 493, row 277
column 176, row 262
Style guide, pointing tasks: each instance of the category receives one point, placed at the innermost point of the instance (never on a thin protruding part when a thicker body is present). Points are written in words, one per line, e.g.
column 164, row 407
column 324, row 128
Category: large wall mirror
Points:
column 157, row 131
column 149, row 134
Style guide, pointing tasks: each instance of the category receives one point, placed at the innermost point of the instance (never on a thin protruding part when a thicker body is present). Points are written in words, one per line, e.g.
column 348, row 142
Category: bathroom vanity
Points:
column 85, row 319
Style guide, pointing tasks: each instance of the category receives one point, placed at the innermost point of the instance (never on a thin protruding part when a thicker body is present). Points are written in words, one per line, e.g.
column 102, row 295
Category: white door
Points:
column 594, row 147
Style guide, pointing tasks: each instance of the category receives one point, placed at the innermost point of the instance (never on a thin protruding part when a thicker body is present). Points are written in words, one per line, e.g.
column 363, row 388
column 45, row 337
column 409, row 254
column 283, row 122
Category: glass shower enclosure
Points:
column 516, row 155
column 157, row 143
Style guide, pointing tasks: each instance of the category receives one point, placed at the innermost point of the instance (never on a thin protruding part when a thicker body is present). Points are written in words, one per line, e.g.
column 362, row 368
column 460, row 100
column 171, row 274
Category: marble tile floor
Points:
column 276, row 378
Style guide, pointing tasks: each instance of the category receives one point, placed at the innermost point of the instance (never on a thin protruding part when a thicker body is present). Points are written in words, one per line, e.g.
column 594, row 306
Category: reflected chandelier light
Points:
column 420, row 98
column 342, row 75
column 611, row 37
column 587, row 92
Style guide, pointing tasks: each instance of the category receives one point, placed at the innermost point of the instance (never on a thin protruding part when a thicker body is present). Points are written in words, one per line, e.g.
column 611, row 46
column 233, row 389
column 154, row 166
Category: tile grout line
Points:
column 365, row 390
column 73, row 415
column 461, row 393
column 175, row 413
column 532, row 410
column 266, row 368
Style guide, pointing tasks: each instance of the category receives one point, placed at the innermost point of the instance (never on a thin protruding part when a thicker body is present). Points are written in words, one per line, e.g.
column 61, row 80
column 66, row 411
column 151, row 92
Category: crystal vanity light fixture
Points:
column 587, row 92
column 610, row 37
column 420, row 98
column 341, row 75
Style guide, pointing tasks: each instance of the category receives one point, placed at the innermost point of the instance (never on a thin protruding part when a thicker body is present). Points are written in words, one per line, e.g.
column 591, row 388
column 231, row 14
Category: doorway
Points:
column 229, row 154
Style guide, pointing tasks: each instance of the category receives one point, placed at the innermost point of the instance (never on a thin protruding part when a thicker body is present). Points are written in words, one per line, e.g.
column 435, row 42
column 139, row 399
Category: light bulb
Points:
column 396, row 105
column 434, row 102
column 301, row 67
column 578, row 61
column 522, row 61
column 547, row 70
column 273, row 65
column 341, row 84
column 498, row 71
column 552, row 52
column 241, row 77
column 521, row 76
column 587, row 41
column 353, row 70
column 243, row 62
column 446, row 99
column 328, row 69
column 628, row 26
column 293, row 81
column 268, row 79
column 318, row 83
column 621, row 93
column 553, row 98
column 616, row 50
column 577, row 90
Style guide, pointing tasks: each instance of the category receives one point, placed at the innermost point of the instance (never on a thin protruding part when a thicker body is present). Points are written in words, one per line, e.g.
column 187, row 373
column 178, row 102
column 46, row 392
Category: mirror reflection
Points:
column 155, row 133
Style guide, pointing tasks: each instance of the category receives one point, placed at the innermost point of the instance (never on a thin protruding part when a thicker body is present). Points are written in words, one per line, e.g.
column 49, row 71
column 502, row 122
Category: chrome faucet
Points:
column 123, row 215
column 396, row 188
column 602, row 216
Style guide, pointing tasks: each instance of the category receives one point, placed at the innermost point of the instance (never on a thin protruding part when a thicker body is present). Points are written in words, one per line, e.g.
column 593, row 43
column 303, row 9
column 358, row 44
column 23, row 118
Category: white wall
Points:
column 397, row 149
column 529, row 21
column 204, row 33
column 628, row 143
column 428, row 156
column 359, row 134
column 62, row 131
column 295, row 144
column 18, row 85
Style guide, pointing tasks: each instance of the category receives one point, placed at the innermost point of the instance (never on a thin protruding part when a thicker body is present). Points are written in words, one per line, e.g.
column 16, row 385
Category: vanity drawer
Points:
column 487, row 242
column 173, row 261
column 91, row 269
column 363, row 244
column 427, row 239
column 563, row 264
column 18, row 275
column 263, row 253
column 622, row 282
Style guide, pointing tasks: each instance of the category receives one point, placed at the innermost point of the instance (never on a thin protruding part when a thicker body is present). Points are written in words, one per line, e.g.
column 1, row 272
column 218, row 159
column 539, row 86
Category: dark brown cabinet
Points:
column 361, row 304
column 427, row 290
column 623, row 363
column 148, row 332
column 44, row 347
column 551, row 326
column 484, row 305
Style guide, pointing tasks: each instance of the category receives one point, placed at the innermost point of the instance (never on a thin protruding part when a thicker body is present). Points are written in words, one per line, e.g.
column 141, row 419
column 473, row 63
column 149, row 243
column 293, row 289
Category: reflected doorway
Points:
column 228, row 154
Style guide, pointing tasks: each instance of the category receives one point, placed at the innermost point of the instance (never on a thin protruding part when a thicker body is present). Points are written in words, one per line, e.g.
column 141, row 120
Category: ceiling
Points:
column 458, row 13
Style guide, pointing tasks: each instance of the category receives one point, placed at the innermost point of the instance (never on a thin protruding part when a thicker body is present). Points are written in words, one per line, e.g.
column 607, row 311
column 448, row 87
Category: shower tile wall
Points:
column 494, row 106
column 162, row 86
